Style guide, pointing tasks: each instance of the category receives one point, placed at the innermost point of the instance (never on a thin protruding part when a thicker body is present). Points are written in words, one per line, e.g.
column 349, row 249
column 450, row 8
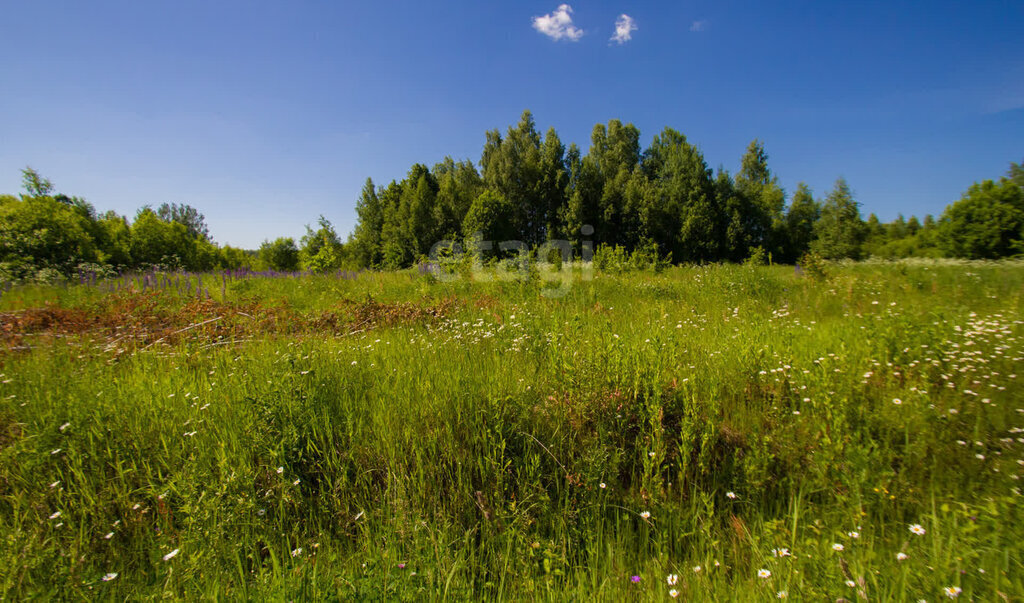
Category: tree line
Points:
column 47, row 236
column 664, row 201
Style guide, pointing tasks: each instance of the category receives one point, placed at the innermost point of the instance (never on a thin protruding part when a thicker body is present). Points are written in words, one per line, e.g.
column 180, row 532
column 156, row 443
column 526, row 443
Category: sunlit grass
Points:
column 705, row 422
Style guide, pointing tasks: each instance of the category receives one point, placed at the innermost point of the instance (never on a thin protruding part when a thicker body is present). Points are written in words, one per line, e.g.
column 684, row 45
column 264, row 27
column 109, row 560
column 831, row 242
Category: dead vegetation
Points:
column 151, row 318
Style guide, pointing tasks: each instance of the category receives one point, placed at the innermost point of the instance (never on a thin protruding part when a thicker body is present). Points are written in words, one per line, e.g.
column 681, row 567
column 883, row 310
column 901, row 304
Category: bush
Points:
column 281, row 254
column 813, row 266
column 757, row 257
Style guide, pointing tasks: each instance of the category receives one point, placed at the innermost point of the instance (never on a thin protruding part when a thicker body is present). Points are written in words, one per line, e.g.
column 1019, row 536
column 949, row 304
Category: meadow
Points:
column 718, row 432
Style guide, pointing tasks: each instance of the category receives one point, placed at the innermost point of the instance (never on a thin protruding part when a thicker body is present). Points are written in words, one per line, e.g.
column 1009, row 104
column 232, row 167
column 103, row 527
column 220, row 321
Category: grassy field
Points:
column 722, row 432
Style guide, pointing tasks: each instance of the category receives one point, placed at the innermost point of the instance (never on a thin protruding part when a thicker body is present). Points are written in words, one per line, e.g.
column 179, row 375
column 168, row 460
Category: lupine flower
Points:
column 634, row 579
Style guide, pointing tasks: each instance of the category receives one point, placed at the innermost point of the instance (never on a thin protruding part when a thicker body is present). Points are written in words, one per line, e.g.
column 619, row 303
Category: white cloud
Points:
column 699, row 25
column 558, row 25
column 624, row 28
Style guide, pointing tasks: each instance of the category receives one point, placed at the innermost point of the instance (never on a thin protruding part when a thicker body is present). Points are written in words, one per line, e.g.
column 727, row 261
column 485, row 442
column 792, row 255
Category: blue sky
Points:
column 266, row 114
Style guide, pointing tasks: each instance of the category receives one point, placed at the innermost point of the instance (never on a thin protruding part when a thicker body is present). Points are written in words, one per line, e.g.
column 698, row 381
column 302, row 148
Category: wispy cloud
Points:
column 558, row 25
column 624, row 28
column 699, row 25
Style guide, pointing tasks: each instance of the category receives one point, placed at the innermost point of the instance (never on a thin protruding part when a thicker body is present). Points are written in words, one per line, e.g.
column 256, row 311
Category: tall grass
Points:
column 645, row 425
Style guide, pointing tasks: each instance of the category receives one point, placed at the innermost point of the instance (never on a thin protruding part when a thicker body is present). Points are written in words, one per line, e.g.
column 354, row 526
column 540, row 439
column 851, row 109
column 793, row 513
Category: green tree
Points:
column 551, row 189
column 321, row 249
column 114, row 240
column 396, row 241
column 897, row 229
column 1016, row 174
column 756, row 183
column 582, row 193
column 233, row 258
column 512, row 169
column 186, row 215
column 419, row 196
column 685, row 217
column 365, row 244
column 157, row 242
column 458, row 184
column 35, row 185
column 839, row 233
column 490, row 218
column 737, row 214
column 614, row 153
column 281, row 254
column 803, row 213
column 986, row 223
column 40, row 233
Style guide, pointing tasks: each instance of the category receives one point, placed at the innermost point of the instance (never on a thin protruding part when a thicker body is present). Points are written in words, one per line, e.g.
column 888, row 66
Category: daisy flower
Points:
column 763, row 573
column 917, row 529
